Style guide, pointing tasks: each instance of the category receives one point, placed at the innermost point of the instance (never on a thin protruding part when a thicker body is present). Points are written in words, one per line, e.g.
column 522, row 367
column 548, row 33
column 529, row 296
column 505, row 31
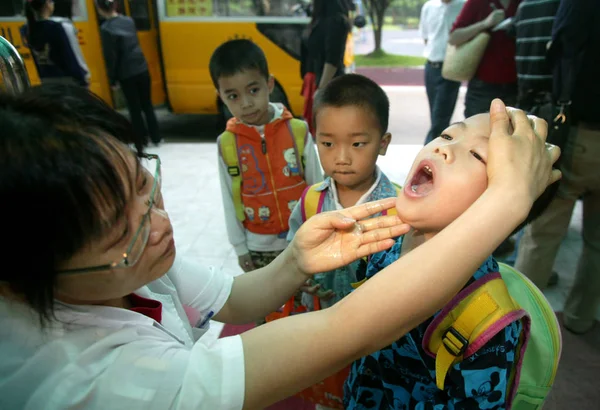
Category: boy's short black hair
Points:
column 234, row 57
column 355, row 90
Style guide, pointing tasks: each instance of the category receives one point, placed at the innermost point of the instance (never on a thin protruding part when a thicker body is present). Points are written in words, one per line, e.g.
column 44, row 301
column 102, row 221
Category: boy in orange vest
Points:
column 351, row 120
column 274, row 155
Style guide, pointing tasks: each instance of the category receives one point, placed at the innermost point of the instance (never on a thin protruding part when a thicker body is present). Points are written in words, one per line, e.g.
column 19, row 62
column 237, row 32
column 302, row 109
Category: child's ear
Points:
column 384, row 143
column 271, row 83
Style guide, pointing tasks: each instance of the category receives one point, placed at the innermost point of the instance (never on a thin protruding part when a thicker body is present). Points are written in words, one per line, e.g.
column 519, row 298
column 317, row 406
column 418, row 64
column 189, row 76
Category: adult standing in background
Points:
column 437, row 18
column 323, row 49
column 127, row 66
column 53, row 44
column 329, row 31
column 576, row 47
column 496, row 76
column 533, row 31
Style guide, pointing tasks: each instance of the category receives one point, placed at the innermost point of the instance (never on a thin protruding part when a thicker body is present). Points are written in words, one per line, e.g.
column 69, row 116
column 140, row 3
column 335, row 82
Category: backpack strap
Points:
column 299, row 130
column 392, row 211
column 311, row 201
column 468, row 322
column 228, row 148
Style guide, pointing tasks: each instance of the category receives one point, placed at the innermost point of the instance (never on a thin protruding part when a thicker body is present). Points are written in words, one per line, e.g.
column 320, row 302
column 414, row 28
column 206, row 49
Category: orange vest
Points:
column 272, row 174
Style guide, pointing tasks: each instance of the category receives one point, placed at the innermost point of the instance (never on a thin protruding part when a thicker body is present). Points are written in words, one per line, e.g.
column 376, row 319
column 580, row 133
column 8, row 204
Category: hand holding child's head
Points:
column 502, row 150
column 520, row 161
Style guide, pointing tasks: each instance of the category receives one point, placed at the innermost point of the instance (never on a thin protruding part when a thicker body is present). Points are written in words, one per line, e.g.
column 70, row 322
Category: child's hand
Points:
column 520, row 162
column 314, row 289
column 245, row 262
column 334, row 239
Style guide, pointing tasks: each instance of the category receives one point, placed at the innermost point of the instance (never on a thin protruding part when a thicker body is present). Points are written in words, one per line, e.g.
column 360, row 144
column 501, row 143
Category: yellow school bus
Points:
column 85, row 18
column 178, row 37
column 190, row 30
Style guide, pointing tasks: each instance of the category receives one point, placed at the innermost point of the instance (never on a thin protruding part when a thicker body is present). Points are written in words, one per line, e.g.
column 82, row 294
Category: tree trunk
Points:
column 378, row 28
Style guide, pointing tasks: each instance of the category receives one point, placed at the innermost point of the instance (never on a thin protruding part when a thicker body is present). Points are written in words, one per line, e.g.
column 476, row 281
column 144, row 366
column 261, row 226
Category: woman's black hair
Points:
column 107, row 5
column 32, row 9
column 62, row 183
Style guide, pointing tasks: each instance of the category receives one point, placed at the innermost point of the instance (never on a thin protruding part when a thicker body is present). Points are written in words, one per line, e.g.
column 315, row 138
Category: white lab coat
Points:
column 98, row 357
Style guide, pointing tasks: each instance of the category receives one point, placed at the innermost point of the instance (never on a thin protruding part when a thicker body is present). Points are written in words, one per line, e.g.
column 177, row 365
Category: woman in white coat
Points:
column 97, row 312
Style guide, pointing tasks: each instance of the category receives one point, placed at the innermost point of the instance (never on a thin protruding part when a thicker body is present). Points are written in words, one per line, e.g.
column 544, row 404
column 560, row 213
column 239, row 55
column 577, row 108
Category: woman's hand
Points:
column 520, row 161
column 334, row 239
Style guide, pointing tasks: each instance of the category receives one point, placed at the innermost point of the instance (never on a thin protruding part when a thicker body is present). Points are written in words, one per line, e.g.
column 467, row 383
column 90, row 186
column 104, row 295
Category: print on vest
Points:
column 331, row 397
column 292, row 168
column 249, row 213
column 43, row 56
column 249, row 162
column 264, row 213
column 292, row 205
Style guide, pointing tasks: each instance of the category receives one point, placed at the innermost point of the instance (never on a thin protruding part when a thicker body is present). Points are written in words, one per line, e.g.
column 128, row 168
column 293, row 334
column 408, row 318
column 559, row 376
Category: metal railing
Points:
column 13, row 74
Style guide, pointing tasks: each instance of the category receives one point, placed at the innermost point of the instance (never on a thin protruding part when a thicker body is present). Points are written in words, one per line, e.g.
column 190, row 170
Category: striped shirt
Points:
column 533, row 28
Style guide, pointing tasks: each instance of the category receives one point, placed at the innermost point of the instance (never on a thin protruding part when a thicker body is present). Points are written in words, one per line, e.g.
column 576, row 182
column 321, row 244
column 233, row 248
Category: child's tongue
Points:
column 422, row 183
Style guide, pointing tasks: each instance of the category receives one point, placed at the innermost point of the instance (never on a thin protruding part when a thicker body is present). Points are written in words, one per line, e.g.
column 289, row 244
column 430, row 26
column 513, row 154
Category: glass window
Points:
column 140, row 13
column 234, row 8
column 11, row 8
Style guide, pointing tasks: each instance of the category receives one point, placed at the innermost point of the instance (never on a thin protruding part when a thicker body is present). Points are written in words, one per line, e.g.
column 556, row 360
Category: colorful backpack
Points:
column 311, row 202
column 485, row 308
column 228, row 147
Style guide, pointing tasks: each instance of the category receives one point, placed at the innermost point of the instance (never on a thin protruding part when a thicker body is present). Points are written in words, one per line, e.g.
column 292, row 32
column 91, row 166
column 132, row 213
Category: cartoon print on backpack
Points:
column 264, row 213
column 292, row 168
column 292, row 205
column 249, row 213
column 487, row 386
column 249, row 168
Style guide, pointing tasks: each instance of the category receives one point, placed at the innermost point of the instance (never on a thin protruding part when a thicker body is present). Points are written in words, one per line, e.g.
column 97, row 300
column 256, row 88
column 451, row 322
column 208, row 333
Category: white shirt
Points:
column 436, row 22
column 99, row 357
column 243, row 240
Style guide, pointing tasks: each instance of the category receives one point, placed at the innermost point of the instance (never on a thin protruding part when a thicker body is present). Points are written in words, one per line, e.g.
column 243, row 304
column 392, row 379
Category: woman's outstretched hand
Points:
column 334, row 239
column 520, row 161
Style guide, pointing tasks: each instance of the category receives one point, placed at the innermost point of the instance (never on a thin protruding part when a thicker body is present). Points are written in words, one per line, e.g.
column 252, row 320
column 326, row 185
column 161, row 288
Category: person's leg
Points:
column 542, row 238
column 584, row 298
column 132, row 98
column 144, row 84
column 477, row 100
column 431, row 84
column 443, row 107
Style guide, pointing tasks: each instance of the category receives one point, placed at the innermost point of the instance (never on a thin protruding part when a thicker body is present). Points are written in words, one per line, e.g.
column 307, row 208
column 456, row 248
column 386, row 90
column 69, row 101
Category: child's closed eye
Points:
column 478, row 157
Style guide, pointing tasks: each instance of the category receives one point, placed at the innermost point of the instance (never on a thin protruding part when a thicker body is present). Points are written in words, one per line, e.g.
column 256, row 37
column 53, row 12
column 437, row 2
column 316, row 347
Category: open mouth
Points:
column 422, row 181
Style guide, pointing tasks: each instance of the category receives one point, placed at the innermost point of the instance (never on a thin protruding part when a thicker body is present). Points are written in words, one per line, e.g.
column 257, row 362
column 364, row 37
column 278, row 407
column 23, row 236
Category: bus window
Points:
column 231, row 8
column 11, row 8
column 140, row 13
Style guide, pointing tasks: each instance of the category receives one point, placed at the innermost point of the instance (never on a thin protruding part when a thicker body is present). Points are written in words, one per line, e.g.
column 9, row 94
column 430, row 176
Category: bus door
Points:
column 143, row 13
column 12, row 27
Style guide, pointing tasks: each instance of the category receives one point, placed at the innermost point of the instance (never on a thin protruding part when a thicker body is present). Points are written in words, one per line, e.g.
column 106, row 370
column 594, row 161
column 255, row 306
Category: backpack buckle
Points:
column 233, row 171
column 455, row 343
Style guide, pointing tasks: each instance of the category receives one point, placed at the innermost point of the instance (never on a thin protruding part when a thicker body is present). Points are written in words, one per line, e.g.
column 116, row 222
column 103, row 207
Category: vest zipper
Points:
column 264, row 149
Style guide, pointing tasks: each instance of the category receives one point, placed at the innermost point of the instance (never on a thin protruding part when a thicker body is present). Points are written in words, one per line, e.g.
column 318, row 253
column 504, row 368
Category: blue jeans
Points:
column 480, row 95
column 442, row 95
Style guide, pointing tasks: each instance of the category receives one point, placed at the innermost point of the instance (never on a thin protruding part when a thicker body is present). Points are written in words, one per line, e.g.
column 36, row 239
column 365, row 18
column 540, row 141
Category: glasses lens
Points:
column 137, row 248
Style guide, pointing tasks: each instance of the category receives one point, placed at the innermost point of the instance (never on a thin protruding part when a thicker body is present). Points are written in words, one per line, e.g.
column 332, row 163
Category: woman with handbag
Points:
column 495, row 72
